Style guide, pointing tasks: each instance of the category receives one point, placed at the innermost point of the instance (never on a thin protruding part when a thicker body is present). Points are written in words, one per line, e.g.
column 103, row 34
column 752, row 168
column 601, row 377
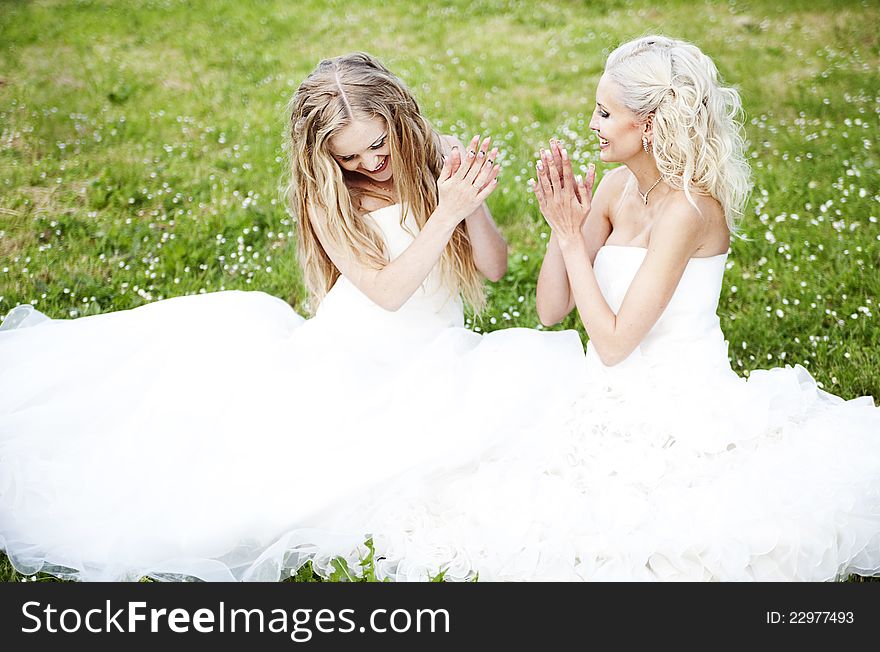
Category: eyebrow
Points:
column 601, row 106
column 373, row 144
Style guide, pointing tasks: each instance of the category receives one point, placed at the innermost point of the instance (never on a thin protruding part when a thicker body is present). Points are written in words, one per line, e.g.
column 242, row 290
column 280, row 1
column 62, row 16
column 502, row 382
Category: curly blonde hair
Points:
column 338, row 91
column 698, row 137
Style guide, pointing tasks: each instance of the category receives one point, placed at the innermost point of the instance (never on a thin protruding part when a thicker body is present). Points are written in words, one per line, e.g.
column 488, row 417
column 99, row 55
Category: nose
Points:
column 372, row 162
column 594, row 123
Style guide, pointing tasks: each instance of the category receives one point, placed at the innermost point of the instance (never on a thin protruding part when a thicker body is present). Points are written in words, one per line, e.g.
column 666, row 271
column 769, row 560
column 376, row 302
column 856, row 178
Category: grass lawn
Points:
column 141, row 148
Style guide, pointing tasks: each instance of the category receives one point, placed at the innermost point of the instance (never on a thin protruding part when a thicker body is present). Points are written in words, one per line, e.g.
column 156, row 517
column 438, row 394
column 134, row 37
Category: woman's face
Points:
column 618, row 128
column 362, row 147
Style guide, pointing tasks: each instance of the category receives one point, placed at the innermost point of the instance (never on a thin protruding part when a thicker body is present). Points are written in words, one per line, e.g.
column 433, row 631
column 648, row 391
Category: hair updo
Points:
column 698, row 140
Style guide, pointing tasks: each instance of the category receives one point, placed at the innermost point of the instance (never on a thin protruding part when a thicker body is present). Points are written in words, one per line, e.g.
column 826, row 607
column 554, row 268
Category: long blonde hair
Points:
column 338, row 91
column 698, row 139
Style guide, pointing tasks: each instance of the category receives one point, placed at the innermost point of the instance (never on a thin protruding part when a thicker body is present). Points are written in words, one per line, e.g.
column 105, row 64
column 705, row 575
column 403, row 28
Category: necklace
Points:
column 384, row 191
column 645, row 195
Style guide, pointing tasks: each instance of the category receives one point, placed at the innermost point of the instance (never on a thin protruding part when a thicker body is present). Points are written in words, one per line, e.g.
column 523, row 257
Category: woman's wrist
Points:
column 569, row 242
column 445, row 218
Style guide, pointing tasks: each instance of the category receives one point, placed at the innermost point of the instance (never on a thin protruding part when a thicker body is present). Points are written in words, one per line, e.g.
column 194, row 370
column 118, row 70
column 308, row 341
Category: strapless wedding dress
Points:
column 669, row 467
column 219, row 436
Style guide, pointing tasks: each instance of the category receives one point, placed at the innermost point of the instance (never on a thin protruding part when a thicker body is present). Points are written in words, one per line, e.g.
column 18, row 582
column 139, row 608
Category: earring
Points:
column 645, row 143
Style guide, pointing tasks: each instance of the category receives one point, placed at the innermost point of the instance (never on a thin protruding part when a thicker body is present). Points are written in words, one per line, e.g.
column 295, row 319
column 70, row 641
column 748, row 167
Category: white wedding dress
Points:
column 218, row 435
column 222, row 436
column 670, row 467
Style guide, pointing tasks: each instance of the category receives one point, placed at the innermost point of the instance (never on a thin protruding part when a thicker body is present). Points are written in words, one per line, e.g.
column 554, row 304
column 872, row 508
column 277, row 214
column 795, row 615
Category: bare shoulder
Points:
column 612, row 184
column 706, row 206
column 614, row 180
column 703, row 224
column 314, row 217
column 609, row 189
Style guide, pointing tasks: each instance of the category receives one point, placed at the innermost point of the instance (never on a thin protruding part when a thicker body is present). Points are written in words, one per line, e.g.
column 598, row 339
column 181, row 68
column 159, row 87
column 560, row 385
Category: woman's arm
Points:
column 460, row 193
column 487, row 243
column 674, row 239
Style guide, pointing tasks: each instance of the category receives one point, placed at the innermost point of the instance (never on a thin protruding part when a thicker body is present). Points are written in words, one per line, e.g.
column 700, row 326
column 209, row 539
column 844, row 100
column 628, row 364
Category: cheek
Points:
column 611, row 129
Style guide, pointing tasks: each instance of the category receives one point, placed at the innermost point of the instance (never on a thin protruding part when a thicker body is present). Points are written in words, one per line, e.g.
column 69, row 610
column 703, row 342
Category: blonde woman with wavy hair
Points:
column 358, row 145
column 278, row 439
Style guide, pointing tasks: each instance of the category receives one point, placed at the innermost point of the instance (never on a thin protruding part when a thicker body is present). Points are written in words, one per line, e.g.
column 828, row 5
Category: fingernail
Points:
column 539, row 165
column 564, row 154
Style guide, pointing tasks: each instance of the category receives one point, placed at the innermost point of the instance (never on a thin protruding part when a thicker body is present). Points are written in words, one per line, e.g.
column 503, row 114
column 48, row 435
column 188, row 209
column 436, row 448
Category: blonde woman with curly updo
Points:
column 223, row 436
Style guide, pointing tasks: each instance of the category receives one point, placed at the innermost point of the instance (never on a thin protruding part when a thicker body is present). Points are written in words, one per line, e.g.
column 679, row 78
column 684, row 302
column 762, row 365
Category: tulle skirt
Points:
column 222, row 436
column 656, row 476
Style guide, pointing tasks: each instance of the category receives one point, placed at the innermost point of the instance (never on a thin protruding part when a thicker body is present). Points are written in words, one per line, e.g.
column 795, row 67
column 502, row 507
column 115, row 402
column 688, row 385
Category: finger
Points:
column 488, row 167
column 546, row 162
column 493, row 174
column 485, row 192
column 446, row 170
column 535, row 187
column 492, row 156
column 539, row 193
column 466, row 164
column 543, row 179
column 555, row 149
column 485, row 145
column 471, row 156
column 490, row 173
column 455, row 159
column 591, row 179
column 477, row 167
column 554, row 173
column 567, row 174
column 582, row 190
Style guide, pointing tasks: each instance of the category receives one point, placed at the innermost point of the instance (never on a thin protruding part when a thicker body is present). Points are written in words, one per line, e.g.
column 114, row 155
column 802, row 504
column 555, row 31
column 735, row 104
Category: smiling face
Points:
column 362, row 147
column 619, row 130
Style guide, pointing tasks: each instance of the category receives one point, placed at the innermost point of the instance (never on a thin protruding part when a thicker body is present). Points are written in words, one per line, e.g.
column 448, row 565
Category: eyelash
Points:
column 603, row 114
column 378, row 145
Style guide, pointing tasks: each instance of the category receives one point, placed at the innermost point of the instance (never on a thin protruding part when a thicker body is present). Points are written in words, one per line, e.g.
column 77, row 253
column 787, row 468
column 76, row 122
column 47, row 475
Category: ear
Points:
column 648, row 127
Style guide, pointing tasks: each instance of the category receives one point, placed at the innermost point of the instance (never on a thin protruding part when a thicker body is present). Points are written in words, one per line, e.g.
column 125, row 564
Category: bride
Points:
column 708, row 475
column 223, row 436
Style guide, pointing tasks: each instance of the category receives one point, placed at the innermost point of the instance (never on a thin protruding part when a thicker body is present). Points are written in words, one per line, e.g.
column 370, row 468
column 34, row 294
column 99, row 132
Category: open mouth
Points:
column 382, row 166
column 603, row 143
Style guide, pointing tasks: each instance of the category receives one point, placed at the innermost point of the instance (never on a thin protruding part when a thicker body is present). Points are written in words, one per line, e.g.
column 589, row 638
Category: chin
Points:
column 385, row 175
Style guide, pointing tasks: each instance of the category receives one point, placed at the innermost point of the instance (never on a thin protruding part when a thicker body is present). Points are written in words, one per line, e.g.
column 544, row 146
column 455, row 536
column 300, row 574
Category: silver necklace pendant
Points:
column 645, row 196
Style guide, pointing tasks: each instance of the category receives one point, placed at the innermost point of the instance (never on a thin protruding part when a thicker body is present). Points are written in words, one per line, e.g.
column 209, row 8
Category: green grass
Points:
column 141, row 158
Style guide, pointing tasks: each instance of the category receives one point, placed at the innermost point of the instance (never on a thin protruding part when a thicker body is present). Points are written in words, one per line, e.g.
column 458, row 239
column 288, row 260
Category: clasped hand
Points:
column 465, row 183
column 564, row 199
